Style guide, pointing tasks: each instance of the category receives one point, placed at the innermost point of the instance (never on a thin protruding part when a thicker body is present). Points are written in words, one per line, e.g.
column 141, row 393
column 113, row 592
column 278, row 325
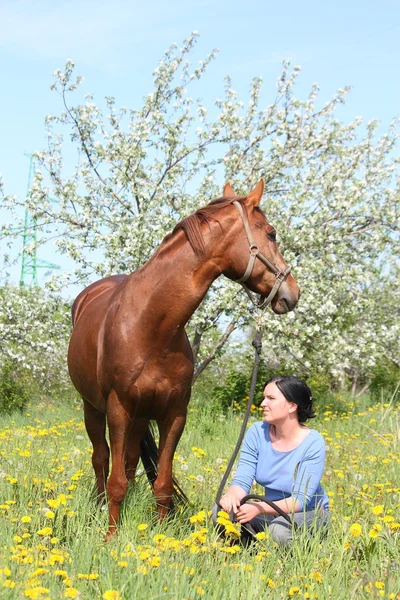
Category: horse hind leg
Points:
column 132, row 452
column 95, row 422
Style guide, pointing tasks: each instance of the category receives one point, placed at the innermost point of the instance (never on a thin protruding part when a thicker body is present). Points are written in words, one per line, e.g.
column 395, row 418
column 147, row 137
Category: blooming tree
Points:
column 332, row 192
column 34, row 329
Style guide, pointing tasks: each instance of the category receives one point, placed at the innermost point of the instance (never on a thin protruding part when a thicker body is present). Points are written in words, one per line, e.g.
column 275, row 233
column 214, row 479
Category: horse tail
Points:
column 149, row 456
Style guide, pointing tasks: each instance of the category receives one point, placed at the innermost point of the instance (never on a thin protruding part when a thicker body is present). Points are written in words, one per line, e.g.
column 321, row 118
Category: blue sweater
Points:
column 295, row 473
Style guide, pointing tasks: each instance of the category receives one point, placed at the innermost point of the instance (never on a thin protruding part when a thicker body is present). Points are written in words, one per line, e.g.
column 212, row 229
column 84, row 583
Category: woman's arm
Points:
column 253, row 509
column 245, row 472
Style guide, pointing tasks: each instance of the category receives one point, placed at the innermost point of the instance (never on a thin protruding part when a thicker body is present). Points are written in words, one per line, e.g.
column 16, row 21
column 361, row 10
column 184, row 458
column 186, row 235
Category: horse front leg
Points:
column 170, row 433
column 118, row 425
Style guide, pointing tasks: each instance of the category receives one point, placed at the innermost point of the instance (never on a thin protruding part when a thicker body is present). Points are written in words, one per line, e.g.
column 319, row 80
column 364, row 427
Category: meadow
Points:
column 52, row 532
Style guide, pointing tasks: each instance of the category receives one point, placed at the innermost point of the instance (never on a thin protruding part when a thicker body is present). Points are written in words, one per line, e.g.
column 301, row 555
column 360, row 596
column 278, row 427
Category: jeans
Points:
column 281, row 530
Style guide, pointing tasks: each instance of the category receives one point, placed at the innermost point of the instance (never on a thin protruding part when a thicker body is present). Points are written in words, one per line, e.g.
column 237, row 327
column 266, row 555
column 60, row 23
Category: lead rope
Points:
column 257, row 343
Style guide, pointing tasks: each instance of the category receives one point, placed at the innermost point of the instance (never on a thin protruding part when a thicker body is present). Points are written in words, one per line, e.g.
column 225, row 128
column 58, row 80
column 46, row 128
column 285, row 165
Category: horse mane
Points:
column 191, row 225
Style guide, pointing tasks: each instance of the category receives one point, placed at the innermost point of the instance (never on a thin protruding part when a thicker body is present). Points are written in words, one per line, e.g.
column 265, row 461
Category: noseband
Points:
column 280, row 274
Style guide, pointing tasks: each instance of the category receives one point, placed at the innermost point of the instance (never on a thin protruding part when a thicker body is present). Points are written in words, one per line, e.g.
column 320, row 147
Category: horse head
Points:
column 252, row 253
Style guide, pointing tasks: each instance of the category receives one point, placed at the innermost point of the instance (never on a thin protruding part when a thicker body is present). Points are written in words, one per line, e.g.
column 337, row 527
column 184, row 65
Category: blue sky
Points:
column 116, row 45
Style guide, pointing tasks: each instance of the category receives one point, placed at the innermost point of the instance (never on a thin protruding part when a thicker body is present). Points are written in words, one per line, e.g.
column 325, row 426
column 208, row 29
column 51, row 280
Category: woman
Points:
column 285, row 457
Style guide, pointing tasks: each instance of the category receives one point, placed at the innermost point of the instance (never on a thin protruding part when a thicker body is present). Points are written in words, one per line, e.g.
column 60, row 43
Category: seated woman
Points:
column 285, row 457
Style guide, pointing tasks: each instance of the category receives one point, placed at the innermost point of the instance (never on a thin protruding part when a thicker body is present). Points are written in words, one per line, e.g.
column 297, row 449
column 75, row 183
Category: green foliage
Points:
column 320, row 385
column 235, row 391
column 385, row 380
column 14, row 388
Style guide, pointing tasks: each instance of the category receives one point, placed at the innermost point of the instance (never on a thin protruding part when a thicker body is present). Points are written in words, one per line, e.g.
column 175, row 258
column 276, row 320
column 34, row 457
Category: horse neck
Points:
column 179, row 280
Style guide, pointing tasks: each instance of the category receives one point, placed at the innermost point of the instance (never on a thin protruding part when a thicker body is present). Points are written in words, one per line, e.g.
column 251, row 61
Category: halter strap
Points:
column 280, row 274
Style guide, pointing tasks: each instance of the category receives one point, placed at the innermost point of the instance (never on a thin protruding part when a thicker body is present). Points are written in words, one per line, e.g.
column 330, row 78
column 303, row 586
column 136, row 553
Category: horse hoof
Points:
column 111, row 534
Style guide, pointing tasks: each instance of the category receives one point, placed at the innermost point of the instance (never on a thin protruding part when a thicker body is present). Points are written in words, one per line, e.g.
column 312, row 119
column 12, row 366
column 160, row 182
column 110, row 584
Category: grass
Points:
column 52, row 532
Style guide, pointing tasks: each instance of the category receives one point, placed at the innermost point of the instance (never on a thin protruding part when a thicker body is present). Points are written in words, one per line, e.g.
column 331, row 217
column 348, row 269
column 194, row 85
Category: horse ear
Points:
column 228, row 190
column 255, row 195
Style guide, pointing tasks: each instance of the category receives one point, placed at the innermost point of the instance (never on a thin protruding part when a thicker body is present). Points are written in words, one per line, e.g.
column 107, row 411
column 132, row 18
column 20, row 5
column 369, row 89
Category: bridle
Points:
column 280, row 274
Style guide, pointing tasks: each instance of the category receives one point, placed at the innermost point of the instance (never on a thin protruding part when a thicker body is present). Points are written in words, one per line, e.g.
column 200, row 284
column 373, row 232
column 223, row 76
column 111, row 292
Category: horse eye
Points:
column 272, row 236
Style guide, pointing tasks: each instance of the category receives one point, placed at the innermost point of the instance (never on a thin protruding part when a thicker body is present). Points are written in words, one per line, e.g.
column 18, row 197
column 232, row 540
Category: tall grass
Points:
column 52, row 531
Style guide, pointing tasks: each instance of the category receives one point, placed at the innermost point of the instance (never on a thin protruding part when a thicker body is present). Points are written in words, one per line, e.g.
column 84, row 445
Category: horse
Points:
column 129, row 356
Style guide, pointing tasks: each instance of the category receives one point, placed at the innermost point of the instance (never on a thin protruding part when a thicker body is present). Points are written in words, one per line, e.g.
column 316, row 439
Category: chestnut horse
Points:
column 129, row 356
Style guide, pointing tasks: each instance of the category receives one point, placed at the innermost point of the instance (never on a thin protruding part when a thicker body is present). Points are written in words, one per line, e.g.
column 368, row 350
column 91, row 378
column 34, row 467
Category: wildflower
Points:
column 49, row 514
column 25, row 519
column 293, row 590
column 377, row 510
column 230, row 549
column 355, row 530
column 199, row 518
column 142, row 570
column 123, row 563
column 373, row 533
column 36, row 592
column 388, row 519
column 71, row 593
column 142, row 527
column 111, row 595
column 317, row 576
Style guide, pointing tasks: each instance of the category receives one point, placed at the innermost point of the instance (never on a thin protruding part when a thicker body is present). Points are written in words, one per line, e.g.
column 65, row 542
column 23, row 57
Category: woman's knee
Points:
column 281, row 532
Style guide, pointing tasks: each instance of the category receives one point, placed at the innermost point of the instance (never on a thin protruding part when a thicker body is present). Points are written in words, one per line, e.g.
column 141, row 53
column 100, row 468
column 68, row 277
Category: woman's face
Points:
column 276, row 409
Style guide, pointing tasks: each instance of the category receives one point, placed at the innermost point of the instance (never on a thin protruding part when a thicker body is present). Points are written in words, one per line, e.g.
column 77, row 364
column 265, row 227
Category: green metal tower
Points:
column 30, row 262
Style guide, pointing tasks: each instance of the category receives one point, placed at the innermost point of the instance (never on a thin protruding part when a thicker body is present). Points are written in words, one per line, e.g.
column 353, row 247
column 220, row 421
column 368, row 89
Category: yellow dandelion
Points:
column 123, row 563
column 142, row 569
column 373, row 533
column 61, row 573
column 111, row 595
column 35, row 592
column 26, row 519
column 377, row 510
column 49, row 514
column 45, row 531
column 230, row 549
column 388, row 519
column 293, row 590
column 142, row 527
column 9, row 583
column 200, row 591
column 71, row 593
column 355, row 530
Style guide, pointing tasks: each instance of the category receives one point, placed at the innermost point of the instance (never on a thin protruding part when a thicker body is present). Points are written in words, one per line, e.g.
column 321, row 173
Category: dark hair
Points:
column 295, row 390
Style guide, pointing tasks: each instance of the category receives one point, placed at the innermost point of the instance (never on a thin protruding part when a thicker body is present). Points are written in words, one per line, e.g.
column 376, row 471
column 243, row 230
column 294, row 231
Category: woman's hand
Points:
column 248, row 511
column 230, row 501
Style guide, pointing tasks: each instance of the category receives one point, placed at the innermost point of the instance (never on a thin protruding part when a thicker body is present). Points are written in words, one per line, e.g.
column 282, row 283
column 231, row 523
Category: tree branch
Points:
column 231, row 327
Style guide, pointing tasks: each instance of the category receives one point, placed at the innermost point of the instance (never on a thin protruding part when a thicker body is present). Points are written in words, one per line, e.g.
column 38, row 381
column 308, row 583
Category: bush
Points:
column 14, row 389
column 385, row 381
